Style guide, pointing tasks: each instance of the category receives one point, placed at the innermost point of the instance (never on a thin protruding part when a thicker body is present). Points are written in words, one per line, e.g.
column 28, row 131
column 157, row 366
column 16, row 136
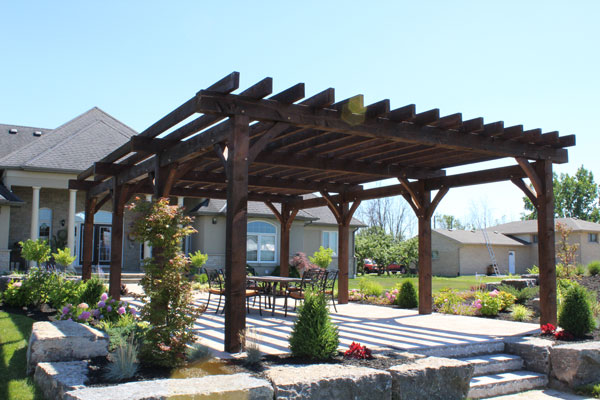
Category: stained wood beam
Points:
column 526, row 189
column 406, row 113
column 531, row 174
column 331, row 120
column 476, row 178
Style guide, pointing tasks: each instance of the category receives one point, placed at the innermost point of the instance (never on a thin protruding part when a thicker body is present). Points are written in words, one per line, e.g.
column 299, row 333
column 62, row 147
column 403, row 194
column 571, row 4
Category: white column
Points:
column 71, row 221
column 35, row 213
column 147, row 247
column 180, row 201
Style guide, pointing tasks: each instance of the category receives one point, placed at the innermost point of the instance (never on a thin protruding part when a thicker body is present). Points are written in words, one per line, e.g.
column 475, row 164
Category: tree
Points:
column 384, row 248
column 448, row 222
column 574, row 197
column 392, row 214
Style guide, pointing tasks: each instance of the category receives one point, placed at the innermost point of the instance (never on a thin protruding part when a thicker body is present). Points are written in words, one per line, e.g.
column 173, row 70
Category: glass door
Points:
column 103, row 244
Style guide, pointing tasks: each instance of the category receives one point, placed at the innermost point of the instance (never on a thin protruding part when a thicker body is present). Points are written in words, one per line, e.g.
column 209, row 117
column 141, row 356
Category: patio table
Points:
column 271, row 283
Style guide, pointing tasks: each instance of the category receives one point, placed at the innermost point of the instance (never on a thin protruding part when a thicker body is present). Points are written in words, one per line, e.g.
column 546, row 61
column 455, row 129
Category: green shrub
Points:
column 201, row 278
column 575, row 315
column 407, row 296
column 580, row 270
column 122, row 330
column 369, row 288
column 322, row 257
column 589, row 390
column 38, row 251
column 314, row 335
column 69, row 291
column 594, row 268
column 506, row 300
column 124, row 363
column 446, row 301
column 197, row 260
column 92, row 290
column 490, row 303
column 533, row 270
column 520, row 313
column 63, row 257
column 199, row 352
column 34, row 289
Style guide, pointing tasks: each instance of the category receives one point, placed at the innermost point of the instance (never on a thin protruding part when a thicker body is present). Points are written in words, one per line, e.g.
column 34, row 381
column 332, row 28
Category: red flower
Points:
column 564, row 335
column 548, row 329
column 358, row 351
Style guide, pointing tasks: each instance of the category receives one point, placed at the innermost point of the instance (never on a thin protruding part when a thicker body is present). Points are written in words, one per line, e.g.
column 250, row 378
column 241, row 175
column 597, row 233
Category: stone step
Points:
column 488, row 364
column 463, row 350
column 505, row 383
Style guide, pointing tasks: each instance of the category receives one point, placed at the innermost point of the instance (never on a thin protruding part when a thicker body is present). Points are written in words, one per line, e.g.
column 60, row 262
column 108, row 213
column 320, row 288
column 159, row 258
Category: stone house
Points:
column 35, row 202
column 463, row 252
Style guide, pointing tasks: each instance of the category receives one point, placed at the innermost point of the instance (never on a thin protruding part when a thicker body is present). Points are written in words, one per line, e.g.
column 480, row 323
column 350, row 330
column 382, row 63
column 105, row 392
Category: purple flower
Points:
column 121, row 310
column 133, row 311
column 85, row 315
column 65, row 310
column 96, row 313
column 101, row 316
column 109, row 308
column 112, row 301
column 104, row 297
column 101, row 304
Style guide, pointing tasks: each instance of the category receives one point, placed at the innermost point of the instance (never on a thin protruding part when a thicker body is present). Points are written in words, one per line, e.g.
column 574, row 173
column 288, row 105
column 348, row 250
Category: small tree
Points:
column 35, row 250
column 314, row 335
column 322, row 257
column 198, row 260
column 63, row 257
column 566, row 252
column 170, row 311
column 407, row 295
column 575, row 314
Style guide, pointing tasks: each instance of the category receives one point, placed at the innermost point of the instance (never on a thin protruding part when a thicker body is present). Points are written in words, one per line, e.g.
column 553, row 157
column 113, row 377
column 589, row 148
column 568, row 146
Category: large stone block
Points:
column 57, row 378
column 238, row 386
column 329, row 381
column 431, row 378
column 576, row 364
column 534, row 351
column 64, row 341
column 519, row 283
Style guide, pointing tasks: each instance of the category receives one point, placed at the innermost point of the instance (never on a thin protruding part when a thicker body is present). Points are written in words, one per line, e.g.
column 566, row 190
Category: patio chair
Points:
column 329, row 279
column 216, row 286
column 312, row 279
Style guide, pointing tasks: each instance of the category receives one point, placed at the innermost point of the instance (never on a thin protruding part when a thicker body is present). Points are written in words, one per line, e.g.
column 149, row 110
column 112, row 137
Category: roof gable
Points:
column 530, row 226
column 71, row 146
column 476, row 237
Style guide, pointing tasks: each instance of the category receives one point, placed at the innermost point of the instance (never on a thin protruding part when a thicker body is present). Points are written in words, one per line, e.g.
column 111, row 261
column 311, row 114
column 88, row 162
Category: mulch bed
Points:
column 31, row 312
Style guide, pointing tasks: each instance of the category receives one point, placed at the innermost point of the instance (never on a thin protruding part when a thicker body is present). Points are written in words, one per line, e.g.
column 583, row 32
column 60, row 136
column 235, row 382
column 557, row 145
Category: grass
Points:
column 14, row 335
column 438, row 282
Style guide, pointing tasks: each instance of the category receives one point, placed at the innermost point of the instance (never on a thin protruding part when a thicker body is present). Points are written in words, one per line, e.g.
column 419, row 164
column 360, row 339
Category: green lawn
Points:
column 438, row 282
column 14, row 335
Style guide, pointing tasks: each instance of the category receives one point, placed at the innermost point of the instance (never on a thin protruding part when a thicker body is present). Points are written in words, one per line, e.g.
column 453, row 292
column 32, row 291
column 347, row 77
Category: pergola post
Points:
column 343, row 214
column 116, row 241
column 540, row 175
column 546, row 244
column 419, row 198
column 285, row 218
column 236, row 229
column 88, row 238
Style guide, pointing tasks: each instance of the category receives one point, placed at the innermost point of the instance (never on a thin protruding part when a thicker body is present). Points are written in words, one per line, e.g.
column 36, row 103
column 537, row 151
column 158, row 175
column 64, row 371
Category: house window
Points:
column 330, row 240
column 593, row 237
column 45, row 224
column 260, row 242
column 435, row 255
column 534, row 238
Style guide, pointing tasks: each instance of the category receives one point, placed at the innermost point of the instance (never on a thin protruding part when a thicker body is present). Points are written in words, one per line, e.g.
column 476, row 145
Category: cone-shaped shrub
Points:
column 314, row 335
column 575, row 314
column 407, row 296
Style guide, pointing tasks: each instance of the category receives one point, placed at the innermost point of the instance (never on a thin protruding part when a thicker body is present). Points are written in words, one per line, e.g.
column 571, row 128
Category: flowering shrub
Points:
column 358, row 351
column 355, row 295
column 490, row 303
column 563, row 335
column 446, row 301
column 506, row 300
column 107, row 309
column 548, row 329
column 170, row 309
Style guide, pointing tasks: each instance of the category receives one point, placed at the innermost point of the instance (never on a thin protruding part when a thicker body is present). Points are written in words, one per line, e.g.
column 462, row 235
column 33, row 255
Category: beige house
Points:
column 35, row 202
column 460, row 252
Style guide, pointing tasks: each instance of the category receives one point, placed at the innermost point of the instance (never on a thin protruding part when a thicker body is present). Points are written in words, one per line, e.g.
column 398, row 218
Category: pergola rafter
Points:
column 249, row 146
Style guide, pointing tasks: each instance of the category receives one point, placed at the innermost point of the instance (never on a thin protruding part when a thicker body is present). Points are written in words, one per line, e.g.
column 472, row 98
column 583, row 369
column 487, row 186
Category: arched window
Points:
column 261, row 242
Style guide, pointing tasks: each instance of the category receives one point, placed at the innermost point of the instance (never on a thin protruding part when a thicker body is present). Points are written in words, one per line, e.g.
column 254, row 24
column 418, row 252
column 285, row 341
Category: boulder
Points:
column 534, row 351
column 329, row 381
column 491, row 286
column 519, row 283
column 431, row 378
column 535, row 277
column 576, row 364
column 57, row 378
column 237, row 386
column 64, row 341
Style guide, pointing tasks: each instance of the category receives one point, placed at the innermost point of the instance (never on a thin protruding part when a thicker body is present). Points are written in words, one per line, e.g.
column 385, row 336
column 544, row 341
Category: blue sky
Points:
column 534, row 63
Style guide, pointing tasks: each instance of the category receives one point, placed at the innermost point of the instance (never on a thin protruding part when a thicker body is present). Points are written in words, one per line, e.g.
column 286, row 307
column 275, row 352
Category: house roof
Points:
column 8, row 197
column 10, row 142
column 476, row 237
column 71, row 146
column 530, row 226
column 320, row 215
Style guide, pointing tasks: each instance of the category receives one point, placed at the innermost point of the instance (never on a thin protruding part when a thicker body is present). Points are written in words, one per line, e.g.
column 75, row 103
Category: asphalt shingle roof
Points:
column 476, row 237
column 530, row 226
column 8, row 197
column 72, row 147
column 10, row 142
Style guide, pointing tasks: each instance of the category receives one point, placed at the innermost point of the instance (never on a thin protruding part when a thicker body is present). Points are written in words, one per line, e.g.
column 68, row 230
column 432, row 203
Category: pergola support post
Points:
column 540, row 175
column 285, row 218
column 236, row 229
column 88, row 237
column 419, row 198
column 343, row 214
column 116, row 241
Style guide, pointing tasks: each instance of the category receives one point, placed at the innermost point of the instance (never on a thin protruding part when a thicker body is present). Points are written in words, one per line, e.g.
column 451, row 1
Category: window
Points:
column 260, row 242
column 435, row 255
column 593, row 237
column 45, row 224
column 534, row 238
column 330, row 240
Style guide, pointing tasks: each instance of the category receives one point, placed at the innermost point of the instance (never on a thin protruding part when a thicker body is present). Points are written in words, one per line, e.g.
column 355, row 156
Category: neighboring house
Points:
column 458, row 252
column 35, row 202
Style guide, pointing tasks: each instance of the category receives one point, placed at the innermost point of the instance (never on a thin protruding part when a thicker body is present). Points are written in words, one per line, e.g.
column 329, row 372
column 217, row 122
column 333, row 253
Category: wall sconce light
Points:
column 214, row 220
column 62, row 222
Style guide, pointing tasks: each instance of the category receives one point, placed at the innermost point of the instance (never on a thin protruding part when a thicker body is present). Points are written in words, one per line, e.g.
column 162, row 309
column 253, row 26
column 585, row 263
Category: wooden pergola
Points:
column 276, row 148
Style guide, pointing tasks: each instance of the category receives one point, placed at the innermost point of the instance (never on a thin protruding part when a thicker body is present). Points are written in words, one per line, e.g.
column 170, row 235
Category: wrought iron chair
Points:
column 216, row 286
column 329, row 279
column 312, row 279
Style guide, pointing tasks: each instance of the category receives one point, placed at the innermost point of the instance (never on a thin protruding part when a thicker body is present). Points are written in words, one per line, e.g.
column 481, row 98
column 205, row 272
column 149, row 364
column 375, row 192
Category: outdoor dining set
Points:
column 270, row 287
